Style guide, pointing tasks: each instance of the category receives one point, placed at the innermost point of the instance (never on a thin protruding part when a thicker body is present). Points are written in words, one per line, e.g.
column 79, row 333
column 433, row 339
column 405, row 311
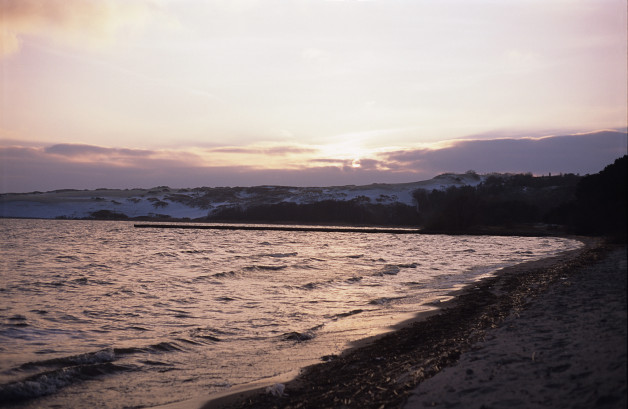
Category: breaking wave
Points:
column 49, row 382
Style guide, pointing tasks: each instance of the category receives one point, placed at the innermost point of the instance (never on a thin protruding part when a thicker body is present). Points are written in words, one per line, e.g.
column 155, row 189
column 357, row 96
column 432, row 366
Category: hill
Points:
column 448, row 203
column 207, row 203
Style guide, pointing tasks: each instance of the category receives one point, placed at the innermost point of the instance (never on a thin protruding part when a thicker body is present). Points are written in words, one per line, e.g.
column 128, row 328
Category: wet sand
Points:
column 511, row 332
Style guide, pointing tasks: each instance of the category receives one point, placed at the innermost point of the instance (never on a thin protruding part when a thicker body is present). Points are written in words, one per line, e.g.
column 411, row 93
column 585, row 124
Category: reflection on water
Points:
column 123, row 316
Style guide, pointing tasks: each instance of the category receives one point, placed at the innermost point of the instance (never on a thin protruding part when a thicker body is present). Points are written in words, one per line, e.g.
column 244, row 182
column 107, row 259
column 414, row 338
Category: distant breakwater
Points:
column 281, row 228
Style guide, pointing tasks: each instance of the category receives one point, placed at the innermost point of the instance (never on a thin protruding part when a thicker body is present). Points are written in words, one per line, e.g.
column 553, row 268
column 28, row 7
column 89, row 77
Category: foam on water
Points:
column 117, row 316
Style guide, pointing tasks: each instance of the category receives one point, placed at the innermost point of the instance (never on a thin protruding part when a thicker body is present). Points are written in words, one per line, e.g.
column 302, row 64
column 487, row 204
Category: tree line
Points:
column 354, row 212
column 593, row 204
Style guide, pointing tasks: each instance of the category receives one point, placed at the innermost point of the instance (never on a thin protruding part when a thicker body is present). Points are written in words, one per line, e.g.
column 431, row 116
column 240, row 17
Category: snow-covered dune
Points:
column 199, row 202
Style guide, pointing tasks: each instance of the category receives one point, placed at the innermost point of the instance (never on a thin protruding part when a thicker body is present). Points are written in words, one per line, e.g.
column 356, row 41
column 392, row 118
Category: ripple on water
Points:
column 202, row 306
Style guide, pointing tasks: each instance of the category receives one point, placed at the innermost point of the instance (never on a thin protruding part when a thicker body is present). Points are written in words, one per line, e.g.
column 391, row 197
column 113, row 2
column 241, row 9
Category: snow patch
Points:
column 199, row 202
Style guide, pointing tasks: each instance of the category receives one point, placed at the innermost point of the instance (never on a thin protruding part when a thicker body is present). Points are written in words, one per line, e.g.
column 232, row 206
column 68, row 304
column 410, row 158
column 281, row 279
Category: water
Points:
column 104, row 313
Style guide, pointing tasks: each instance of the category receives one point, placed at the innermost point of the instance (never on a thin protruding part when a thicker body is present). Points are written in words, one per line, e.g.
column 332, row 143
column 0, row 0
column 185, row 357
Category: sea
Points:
column 105, row 315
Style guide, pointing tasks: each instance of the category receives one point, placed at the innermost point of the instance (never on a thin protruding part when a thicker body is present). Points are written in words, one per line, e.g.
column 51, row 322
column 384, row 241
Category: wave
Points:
column 17, row 320
column 225, row 299
column 389, row 270
column 301, row 336
column 166, row 254
column 49, row 382
column 66, row 259
column 96, row 265
column 263, row 267
column 297, row 336
column 137, row 328
column 151, row 349
column 224, row 274
column 105, row 355
column 63, row 282
column 310, row 286
column 208, row 334
column 384, row 300
column 188, row 341
column 196, row 251
column 346, row 314
column 90, row 281
column 318, row 284
column 165, row 347
column 180, row 313
column 203, row 277
column 150, row 362
column 60, row 372
column 281, row 255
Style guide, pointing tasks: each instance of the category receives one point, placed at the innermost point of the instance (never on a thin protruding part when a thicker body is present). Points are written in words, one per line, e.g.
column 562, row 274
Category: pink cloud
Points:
column 75, row 22
column 273, row 151
column 63, row 166
column 80, row 150
column 30, row 168
column 581, row 153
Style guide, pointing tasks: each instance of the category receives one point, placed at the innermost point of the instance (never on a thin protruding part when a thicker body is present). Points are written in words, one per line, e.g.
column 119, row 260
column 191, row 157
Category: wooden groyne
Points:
column 331, row 229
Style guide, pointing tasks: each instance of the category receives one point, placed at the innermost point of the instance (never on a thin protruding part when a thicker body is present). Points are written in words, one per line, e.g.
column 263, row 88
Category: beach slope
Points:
column 567, row 350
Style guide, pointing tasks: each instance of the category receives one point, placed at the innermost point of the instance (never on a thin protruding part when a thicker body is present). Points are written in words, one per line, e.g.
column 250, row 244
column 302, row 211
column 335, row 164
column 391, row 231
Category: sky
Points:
column 185, row 93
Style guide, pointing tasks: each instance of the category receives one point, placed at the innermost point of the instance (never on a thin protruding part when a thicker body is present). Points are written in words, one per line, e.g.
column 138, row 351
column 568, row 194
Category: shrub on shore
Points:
column 600, row 205
column 589, row 205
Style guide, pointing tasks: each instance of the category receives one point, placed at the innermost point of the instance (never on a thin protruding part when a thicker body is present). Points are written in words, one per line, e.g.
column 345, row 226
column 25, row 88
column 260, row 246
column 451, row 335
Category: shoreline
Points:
column 384, row 369
column 567, row 349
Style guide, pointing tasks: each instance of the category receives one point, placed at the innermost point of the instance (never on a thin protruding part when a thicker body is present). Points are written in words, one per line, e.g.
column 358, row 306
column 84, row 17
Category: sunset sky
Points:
column 108, row 93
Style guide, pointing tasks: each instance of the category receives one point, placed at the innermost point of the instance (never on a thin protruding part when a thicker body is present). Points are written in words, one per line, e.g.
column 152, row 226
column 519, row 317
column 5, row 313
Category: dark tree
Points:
column 600, row 206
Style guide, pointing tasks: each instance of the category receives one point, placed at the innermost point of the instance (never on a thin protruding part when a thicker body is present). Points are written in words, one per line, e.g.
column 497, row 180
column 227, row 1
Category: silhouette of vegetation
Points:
column 358, row 211
column 592, row 205
column 600, row 205
column 159, row 204
column 108, row 215
column 500, row 200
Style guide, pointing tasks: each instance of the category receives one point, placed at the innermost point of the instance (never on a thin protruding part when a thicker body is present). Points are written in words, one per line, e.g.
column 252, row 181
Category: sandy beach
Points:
column 549, row 333
column 566, row 350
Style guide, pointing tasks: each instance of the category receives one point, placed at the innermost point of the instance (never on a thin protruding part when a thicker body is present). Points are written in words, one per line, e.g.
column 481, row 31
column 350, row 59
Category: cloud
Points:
column 580, row 153
column 76, row 22
column 89, row 154
column 349, row 164
column 325, row 161
column 27, row 169
column 79, row 150
column 84, row 166
column 272, row 151
column 79, row 166
column 367, row 164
